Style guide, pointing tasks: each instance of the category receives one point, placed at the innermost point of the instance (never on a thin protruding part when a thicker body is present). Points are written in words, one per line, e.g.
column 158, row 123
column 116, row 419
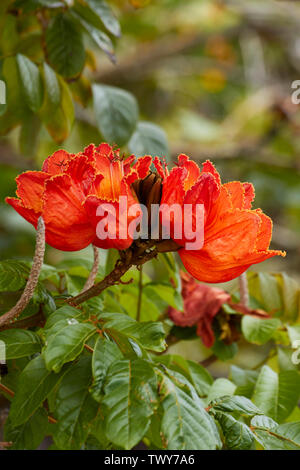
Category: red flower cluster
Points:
column 235, row 236
column 71, row 187
column 68, row 190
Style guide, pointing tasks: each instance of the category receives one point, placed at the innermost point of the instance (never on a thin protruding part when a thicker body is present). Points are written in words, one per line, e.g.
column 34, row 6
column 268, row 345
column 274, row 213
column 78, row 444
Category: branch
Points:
column 244, row 292
column 28, row 292
column 131, row 257
column 93, row 274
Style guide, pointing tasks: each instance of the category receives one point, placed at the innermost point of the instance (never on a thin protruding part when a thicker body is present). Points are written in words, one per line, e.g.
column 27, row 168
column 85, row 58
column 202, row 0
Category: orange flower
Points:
column 113, row 180
column 201, row 305
column 235, row 236
column 67, row 189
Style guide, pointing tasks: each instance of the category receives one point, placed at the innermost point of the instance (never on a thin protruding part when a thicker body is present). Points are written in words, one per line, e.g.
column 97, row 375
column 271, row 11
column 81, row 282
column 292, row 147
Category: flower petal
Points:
column 193, row 171
column 208, row 167
column 67, row 225
column 30, row 189
column 29, row 214
column 57, row 163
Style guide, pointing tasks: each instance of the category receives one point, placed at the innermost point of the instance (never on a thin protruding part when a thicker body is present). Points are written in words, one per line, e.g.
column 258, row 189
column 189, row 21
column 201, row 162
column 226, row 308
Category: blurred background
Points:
column 217, row 77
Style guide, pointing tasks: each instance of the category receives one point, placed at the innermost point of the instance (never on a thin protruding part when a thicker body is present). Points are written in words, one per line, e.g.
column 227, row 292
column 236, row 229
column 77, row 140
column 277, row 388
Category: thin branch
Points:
column 28, row 292
column 139, row 303
column 244, row 292
column 93, row 274
column 130, row 258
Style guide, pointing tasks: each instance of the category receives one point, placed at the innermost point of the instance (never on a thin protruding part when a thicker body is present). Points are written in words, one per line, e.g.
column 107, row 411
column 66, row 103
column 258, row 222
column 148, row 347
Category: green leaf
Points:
column 65, row 47
column 28, row 435
column 58, row 119
column 274, row 437
column 185, row 424
column 236, row 403
column 34, row 385
column 244, row 379
column 116, row 112
column 105, row 353
column 265, row 394
column 130, row 399
column 270, row 293
column 237, row 435
column 13, row 275
column 20, row 343
column 149, row 139
column 221, row 387
column 64, row 313
column 74, row 406
column 223, row 351
column 66, row 344
column 51, row 84
column 259, row 330
column 277, row 395
column 149, row 335
column 288, row 393
column 199, row 377
column 106, row 15
column 165, row 292
column 101, row 39
column 31, row 82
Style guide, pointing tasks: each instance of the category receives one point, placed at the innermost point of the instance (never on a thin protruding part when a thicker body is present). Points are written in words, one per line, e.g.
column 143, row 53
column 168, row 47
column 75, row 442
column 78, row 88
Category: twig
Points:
column 93, row 274
column 244, row 292
column 32, row 279
column 139, row 303
column 131, row 257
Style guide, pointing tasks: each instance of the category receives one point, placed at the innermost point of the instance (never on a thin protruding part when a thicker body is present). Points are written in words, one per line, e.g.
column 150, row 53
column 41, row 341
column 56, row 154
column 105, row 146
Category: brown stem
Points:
column 93, row 274
column 34, row 320
column 139, row 303
column 32, row 279
column 244, row 292
column 137, row 257
column 7, row 390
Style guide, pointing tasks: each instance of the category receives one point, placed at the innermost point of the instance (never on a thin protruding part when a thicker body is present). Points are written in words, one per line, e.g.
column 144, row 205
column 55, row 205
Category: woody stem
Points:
column 93, row 274
column 244, row 292
column 32, row 281
column 122, row 266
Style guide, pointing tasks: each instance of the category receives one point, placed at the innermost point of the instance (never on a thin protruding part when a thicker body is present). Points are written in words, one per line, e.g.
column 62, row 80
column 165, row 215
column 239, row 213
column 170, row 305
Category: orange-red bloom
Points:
column 235, row 236
column 68, row 189
column 201, row 305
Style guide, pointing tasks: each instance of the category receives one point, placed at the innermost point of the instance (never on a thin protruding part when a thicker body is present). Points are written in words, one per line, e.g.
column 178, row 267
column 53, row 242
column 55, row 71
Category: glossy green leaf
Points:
column 105, row 13
column 259, row 330
column 130, row 399
column 34, row 385
column 66, row 343
column 20, row 343
column 185, row 424
column 235, row 403
column 149, row 139
column 116, row 112
column 150, row 335
column 30, row 434
column 74, row 407
column 105, row 353
column 65, row 47
column 31, row 82
column 238, row 436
